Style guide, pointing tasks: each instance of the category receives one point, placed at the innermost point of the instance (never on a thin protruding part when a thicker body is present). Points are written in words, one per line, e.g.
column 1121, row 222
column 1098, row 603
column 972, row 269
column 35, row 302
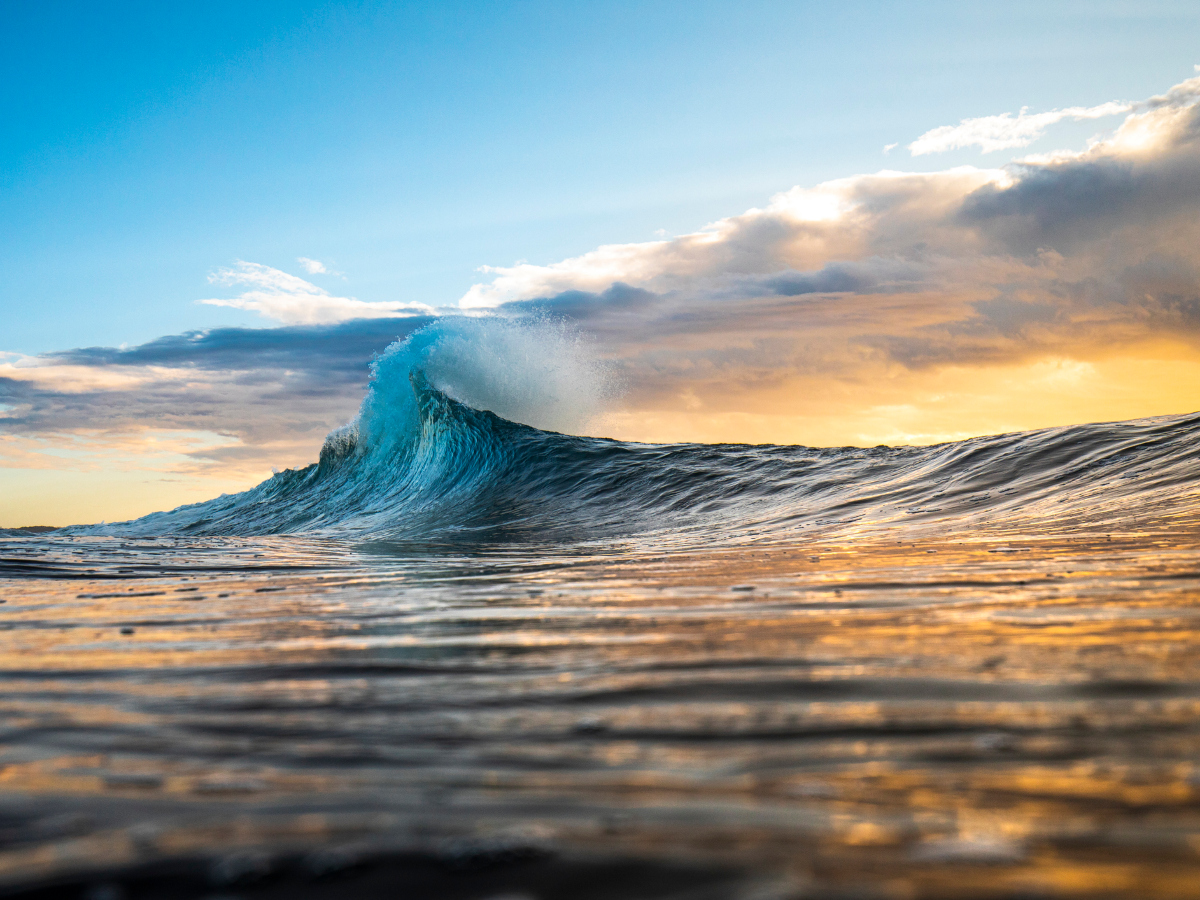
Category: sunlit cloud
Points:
column 1005, row 131
column 286, row 298
column 77, row 379
column 847, row 222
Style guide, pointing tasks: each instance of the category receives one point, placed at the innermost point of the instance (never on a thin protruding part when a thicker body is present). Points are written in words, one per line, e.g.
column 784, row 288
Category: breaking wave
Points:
column 460, row 435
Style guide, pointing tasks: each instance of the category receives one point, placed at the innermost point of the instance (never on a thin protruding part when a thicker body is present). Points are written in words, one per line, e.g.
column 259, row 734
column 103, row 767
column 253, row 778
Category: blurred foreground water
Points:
column 980, row 714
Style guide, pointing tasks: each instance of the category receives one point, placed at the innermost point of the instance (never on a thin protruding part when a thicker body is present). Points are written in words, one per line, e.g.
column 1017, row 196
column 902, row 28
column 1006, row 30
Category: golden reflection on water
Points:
column 943, row 718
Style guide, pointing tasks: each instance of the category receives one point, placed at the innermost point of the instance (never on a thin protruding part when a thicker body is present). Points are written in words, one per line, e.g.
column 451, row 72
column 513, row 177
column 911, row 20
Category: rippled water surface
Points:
column 980, row 713
column 461, row 657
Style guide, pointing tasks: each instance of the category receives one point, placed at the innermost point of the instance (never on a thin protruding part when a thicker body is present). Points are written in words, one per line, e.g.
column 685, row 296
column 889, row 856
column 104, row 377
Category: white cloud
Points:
column 315, row 266
column 294, row 301
column 886, row 228
column 800, row 230
column 1003, row 132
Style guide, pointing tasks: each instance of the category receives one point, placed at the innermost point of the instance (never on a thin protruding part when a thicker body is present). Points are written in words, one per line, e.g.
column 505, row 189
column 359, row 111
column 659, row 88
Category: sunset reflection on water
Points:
column 950, row 717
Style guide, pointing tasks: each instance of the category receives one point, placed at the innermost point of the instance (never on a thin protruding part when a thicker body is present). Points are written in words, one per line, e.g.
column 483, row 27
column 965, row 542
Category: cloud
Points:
column 313, row 266
column 1068, row 256
column 326, row 351
column 806, row 236
column 289, row 299
column 1004, row 132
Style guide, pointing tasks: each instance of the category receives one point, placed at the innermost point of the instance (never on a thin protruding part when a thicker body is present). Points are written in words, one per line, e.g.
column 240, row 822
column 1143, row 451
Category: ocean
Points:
column 464, row 657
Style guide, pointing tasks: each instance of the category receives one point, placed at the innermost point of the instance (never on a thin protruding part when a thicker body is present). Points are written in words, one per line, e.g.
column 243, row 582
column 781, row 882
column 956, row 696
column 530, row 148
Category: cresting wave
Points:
column 438, row 452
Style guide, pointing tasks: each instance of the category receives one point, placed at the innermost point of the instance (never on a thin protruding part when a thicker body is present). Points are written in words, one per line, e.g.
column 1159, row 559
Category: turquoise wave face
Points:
column 430, row 457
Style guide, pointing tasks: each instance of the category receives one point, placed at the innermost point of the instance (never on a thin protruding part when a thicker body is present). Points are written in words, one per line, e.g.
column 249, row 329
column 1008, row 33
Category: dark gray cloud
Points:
column 273, row 392
column 584, row 305
column 341, row 351
column 1068, row 206
column 833, row 278
column 735, row 297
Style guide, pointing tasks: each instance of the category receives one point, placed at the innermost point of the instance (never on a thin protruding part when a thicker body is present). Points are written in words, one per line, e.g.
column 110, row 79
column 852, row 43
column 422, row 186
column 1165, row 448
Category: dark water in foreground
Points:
column 975, row 714
column 460, row 657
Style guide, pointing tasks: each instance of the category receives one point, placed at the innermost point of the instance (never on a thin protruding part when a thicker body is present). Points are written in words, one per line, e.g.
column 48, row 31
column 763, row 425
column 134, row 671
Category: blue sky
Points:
column 145, row 146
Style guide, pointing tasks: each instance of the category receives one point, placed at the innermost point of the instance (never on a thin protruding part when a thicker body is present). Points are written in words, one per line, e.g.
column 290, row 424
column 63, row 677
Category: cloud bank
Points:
column 251, row 385
column 1068, row 257
column 103, row 432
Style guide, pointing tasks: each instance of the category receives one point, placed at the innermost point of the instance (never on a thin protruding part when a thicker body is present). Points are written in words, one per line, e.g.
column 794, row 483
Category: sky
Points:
column 829, row 224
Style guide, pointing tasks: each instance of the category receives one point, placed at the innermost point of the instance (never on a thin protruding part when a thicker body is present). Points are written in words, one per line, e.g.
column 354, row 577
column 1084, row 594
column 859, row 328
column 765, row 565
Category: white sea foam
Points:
column 537, row 372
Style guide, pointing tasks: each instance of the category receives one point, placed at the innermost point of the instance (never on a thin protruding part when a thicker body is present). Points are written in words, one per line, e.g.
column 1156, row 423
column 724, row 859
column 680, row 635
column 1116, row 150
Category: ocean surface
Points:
column 463, row 657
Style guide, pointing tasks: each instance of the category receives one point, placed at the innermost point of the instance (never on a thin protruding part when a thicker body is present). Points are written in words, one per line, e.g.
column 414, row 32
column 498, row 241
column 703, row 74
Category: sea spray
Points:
column 540, row 373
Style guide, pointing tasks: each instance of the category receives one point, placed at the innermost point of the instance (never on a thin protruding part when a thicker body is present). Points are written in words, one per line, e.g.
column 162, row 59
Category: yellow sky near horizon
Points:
column 928, row 407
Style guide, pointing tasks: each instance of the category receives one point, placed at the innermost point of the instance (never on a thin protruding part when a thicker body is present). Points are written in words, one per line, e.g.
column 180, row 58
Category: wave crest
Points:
column 451, row 440
column 540, row 373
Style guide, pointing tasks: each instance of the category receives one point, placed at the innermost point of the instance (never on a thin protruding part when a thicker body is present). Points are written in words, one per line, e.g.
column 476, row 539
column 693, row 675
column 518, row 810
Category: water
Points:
column 462, row 657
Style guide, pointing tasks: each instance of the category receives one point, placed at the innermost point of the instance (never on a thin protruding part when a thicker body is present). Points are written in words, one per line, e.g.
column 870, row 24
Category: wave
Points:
column 437, row 452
